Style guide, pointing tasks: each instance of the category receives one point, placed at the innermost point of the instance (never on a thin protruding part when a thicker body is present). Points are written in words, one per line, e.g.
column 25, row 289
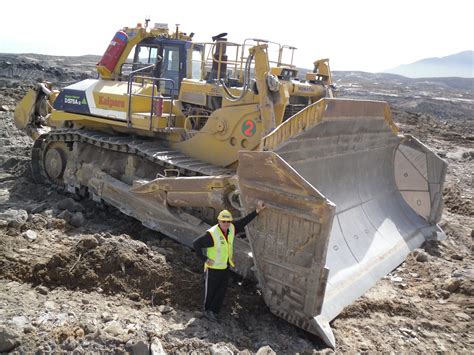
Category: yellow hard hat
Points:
column 224, row 215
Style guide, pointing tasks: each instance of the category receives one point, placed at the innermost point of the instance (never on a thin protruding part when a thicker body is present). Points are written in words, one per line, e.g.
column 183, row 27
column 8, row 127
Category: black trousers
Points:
column 215, row 286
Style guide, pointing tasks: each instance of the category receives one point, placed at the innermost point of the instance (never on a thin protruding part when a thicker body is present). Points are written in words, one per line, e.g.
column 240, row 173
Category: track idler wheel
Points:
column 55, row 160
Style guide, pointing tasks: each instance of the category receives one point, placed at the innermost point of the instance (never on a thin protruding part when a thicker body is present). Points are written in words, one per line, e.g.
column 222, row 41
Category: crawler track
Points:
column 152, row 150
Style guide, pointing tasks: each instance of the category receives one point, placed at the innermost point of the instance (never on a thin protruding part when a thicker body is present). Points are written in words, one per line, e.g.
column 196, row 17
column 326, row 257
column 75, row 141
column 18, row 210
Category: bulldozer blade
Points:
column 24, row 111
column 386, row 189
column 30, row 108
column 289, row 240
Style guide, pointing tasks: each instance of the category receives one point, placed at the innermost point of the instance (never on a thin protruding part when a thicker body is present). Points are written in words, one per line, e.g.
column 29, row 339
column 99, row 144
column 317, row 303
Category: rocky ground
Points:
column 77, row 276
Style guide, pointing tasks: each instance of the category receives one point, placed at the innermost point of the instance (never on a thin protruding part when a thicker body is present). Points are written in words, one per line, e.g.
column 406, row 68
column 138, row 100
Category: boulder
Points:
column 114, row 328
column 265, row 350
column 42, row 290
column 88, row 242
column 70, row 344
column 9, row 340
column 14, row 218
column 134, row 296
column 165, row 309
column 219, row 349
column 19, row 321
column 77, row 219
column 421, row 256
column 70, row 205
column 156, row 348
column 452, row 285
column 140, row 348
column 39, row 208
column 30, row 235
column 65, row 215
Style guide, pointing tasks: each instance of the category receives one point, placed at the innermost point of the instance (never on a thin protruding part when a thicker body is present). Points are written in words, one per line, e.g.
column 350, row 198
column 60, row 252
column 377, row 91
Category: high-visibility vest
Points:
column 222, row 251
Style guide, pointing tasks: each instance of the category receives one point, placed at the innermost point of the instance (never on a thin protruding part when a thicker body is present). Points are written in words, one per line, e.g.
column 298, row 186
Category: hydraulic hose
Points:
column 245, row 86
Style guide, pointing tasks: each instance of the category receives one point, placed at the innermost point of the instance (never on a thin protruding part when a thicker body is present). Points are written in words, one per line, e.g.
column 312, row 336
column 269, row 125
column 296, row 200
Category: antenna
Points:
column 177, row 31
column 147, row 20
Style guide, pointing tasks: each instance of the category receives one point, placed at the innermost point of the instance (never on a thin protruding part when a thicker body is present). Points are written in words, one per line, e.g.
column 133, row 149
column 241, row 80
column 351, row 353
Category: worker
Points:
column 219, row 242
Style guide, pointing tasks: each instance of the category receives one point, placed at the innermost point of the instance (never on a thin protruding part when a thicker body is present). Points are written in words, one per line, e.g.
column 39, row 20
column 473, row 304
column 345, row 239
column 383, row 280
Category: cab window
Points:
column 147, row 55
column 171, row 69
column 196, row 63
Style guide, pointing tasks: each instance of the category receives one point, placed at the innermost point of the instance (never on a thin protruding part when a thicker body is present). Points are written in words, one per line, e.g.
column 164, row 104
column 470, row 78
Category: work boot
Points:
column 209, row 315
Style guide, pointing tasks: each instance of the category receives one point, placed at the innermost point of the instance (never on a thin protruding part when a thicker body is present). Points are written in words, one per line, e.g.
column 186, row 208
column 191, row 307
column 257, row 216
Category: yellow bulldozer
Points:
column 173, row 131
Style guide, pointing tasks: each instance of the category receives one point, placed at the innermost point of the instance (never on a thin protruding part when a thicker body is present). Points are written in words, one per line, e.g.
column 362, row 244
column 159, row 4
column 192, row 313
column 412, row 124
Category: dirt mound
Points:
column 97, row 262
column 390, row 307
column 456, row 202
column 117, row 265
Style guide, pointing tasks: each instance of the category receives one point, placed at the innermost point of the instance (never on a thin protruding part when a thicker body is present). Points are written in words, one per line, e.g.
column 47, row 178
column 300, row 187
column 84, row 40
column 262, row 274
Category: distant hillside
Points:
column 456, row 65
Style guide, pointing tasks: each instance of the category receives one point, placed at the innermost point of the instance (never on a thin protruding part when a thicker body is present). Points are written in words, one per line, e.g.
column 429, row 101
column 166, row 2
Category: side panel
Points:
column 289, row 239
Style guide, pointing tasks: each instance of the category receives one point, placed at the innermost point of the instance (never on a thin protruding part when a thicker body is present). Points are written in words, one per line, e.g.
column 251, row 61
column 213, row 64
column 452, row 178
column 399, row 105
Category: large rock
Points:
column 66, row 215
column 88, row 242
column 9, row 340
column 43, row 290
column 156, row 348
column 19, row 321
column 452, row 285
column 77, row 219
column 421, row 256
column 39, row 221
column 70, row 205
column 140, row 348
column 70, row 344
column 219, row 349
column 265, row 350
column 165, row 309
column 39, row 208
column 30, row 235
column 14, row 218
column 114, row 328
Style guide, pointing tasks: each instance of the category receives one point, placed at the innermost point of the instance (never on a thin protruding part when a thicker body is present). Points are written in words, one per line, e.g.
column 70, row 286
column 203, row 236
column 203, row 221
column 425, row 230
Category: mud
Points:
column 78, row 276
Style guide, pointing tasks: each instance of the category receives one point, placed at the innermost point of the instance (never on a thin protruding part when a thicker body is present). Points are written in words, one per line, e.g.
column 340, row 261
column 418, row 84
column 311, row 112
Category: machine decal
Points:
column 249, row 128
column 104, row 110
column 109, row 102
column 305, row 89
column 72, row 101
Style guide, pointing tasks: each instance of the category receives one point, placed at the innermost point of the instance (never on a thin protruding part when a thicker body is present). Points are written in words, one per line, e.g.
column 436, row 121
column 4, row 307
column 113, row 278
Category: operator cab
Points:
column 170, row 60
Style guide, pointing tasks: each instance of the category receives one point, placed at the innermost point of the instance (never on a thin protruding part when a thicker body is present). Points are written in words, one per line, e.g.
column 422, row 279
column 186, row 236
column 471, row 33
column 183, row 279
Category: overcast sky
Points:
column 366, row 35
